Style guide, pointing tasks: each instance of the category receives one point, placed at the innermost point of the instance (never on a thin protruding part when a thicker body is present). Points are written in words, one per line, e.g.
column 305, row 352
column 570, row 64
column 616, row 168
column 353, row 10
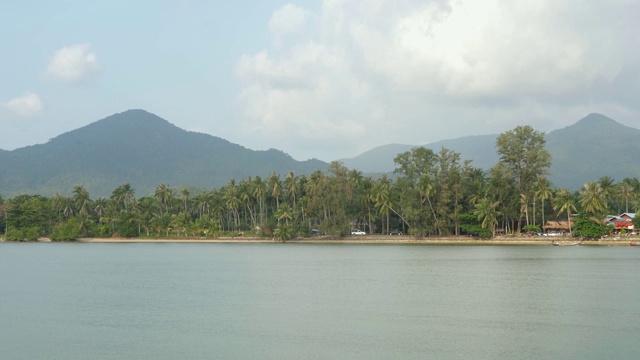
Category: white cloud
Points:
column 74, row 64
column 288, row 19
column 440, row 68
column 27, row 105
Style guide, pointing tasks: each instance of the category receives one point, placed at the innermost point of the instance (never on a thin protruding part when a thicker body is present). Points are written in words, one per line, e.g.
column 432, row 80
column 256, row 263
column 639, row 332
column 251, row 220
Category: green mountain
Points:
column 139, row 148
column 594, row 147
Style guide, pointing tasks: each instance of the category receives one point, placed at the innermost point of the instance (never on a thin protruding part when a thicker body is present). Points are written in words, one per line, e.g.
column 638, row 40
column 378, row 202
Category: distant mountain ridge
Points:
column 139, row 148
column 593, row 147
column 145, row 150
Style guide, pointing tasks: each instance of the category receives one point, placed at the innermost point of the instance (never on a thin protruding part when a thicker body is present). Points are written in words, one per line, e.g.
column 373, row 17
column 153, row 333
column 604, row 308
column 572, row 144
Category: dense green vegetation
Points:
column 433, row 194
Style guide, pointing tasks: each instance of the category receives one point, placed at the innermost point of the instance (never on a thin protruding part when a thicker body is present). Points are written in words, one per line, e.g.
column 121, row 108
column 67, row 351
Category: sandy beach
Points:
column 377, row 239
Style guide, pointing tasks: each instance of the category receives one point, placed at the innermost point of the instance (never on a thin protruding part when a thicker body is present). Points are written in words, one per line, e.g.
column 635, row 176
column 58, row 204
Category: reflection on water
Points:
column 294, row 301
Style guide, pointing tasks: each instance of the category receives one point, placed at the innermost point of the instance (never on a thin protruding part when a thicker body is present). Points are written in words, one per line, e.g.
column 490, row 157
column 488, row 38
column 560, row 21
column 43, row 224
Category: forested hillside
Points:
column 139, row 148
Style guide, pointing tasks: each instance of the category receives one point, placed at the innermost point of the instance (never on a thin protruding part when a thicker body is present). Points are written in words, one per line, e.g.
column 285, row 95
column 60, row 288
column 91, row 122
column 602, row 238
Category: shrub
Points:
column 66, row 231
column 586, row 227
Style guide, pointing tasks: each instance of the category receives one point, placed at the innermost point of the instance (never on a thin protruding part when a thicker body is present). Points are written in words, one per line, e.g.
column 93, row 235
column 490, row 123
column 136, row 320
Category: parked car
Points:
column 395, row 232
column 358, row 232
column 315, row 232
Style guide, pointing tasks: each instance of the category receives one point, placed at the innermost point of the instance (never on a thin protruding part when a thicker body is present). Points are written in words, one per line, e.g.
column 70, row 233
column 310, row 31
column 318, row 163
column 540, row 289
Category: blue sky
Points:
column 325, row 79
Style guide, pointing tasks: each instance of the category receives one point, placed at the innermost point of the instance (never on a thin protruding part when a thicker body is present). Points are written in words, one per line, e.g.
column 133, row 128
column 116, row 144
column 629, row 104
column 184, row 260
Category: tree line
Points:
column 430, row 193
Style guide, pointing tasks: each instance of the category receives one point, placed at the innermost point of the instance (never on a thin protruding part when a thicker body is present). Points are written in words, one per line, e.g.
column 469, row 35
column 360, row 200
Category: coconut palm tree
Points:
column 275, row 187
column 259, row 192
column 426, row 189
column 562, row 202
column 593, row 199
column 124, row 196
column 100, row 208
column 524, row 206
column 81, row 200
column 382, row 200
column 246, row 198
column 185, row 197
column 626, row 193
column 486, row 212
column 285, row 213
column 542, row 192
column 163, row 196
column 232, row 202
column 291, row 187
column 607, row 189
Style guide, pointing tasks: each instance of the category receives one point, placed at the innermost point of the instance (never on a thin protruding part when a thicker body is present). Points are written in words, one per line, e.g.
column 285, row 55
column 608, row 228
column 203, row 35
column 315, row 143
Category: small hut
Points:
column 561, row 226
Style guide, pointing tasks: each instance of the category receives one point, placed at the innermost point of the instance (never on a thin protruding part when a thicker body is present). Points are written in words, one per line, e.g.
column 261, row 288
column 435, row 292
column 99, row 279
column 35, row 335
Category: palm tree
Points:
column 246, row 197
column 81, row 200
column 185, row 197
column 146, row 208
column 100, row 208
column 563, row 202
column 475, row 185
column 366, row 198
column 626, row 193
column 163, row 196
column 123, row 196
column 68, row 208
column 259, row 191
column 382, row 200
column 607, row 186
column 57, row 204
column 232, row 201
column 180, row 221
column 592, row 199
column 524, row 206
column 426, row 188
column 486, row 212
column 275, row 187
column 291, row 187
column 542, row 192
column 285, row 213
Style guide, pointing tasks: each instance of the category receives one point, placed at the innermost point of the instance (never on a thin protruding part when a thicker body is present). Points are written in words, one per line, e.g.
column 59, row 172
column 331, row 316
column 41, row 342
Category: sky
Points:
column 318, row 79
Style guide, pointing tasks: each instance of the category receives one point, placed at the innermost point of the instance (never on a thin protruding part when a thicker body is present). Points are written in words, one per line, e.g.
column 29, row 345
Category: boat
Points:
column 558, row 243
column 634, row 244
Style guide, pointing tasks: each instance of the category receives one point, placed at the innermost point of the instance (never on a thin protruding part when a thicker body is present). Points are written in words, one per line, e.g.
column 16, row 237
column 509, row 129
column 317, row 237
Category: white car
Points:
column 358, row 232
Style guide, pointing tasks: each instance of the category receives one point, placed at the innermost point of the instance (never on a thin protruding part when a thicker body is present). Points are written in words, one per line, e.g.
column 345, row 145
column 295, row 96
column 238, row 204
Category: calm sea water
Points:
column 294, row 301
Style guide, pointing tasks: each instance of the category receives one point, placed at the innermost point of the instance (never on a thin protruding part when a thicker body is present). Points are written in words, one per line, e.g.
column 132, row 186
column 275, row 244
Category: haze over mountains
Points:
column 139, row 148
column 593, row 147
column 144, row 150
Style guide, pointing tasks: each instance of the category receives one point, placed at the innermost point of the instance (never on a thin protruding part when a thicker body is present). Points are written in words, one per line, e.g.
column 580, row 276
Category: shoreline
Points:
column 368, row 239
column 376, row 239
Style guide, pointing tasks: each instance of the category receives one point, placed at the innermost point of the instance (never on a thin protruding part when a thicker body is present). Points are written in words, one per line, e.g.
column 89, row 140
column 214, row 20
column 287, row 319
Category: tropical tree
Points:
column 522, row 151
column 81, row 200
column 163, row 196
column 233, row 202
column 275, row 187
column 285, row 213
column 291, row 187
column 382, row 200
column 185, row 197
column 259, row 193
column 124, row 196
column 542, row 192
column 592, row 199
column 625, row 191
column 486, row 212
column 607, row 189
column 562, row 202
